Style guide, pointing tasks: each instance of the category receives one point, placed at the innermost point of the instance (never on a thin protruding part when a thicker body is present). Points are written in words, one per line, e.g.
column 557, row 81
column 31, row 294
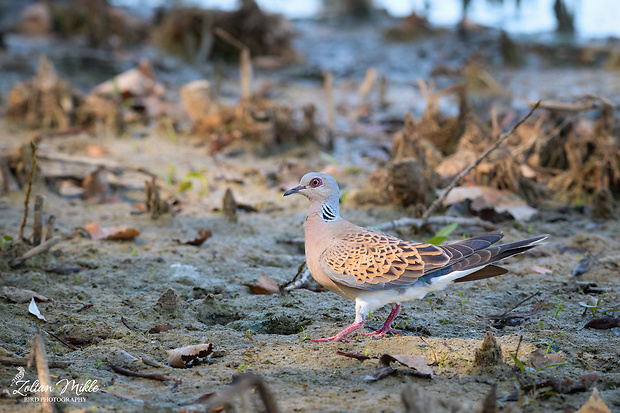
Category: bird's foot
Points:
column 383, row 331
column 342, row 336
column 337, row 337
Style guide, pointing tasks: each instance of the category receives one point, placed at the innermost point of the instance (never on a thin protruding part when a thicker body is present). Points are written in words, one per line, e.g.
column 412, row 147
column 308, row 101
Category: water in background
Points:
column 594, row 18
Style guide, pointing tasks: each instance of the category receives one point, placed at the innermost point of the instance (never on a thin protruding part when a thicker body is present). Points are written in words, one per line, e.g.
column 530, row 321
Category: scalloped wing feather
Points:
column 370, row 260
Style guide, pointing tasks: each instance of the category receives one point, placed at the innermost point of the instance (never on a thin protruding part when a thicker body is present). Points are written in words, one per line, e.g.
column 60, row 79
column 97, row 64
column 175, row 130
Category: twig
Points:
column 27, row 200
column 43, row 371
column 228, row 38
column 39, row 249
column 125, row 322
column 71, row 346
column 50, row 227
column 151, row 363
column 439, row 220
column 16, row 361
column 507, row 312
column 37, row 224
column 126, row 372
column 459, row 178
column 517, row 351
column 300, row 269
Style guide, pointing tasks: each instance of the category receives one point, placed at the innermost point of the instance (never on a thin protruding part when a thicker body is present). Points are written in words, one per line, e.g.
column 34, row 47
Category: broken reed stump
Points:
column 27, row 199
column 38, row 355
column 37, row 225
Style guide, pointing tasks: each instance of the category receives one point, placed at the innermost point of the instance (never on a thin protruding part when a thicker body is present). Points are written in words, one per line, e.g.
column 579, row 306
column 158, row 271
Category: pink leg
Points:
column 343, row 333
column 387, row 326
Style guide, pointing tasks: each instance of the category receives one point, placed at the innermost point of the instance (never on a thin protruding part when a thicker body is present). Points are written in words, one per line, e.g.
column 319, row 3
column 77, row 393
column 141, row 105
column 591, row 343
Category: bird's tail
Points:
column 479, row 252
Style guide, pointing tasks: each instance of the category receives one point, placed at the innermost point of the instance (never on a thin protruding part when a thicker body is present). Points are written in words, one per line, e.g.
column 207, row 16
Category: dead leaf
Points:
column 33, row 309
column 183, row 357
column 160, row 328
column 20, row 296
column 113, row 233
column 491, row 204
column 539, row 269
column 203, row 235
column 539, row 358
column 603, row 323
column 594, row 404
column 418, row 363
column 264, row 286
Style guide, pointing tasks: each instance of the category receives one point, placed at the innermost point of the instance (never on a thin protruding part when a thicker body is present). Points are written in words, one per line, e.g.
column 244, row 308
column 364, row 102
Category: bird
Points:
column 375, row 269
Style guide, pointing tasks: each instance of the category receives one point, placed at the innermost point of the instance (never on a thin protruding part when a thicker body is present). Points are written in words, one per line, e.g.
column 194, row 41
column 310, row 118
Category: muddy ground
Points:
column 265, row 334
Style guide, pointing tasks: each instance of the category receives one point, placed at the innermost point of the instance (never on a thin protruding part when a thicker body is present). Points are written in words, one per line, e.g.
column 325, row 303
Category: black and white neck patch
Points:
column 328, row 213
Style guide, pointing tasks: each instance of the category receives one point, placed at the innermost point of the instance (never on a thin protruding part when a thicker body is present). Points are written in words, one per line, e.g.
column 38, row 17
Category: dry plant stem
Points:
column 328, row 84
column 439, row 220
column 151, row 363
column 240, row 386
column 43, row 371
column 126, row 372
column 300, row 269
column 245, row 70
column 50, row 227
column 459, row 178
column 35, row 251
column 383, row 84
column 27, row 200
column 71, row 346
column 16, row 361
column 37, row 225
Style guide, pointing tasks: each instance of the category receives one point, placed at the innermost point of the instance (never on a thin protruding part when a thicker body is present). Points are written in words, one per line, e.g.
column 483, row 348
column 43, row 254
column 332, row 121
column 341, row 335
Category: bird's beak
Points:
column 294, row 190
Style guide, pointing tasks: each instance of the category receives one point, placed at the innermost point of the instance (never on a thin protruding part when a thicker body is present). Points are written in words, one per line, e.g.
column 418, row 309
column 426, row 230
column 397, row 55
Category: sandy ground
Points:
column 264, row 334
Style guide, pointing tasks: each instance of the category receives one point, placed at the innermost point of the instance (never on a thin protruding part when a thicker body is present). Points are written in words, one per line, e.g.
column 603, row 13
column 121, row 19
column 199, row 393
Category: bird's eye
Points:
column 315, row 182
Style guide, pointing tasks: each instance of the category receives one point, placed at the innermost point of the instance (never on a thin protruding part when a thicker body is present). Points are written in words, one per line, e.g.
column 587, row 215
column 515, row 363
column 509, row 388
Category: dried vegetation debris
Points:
column 189, row 32
column 570, row 154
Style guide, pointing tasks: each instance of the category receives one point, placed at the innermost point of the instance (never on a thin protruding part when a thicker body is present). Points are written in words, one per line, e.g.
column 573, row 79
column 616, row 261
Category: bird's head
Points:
column 317, row 187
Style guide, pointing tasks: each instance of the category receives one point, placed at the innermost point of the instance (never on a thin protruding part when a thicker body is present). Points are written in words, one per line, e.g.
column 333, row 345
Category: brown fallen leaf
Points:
column 203, row 235
column 594, row 404
column 491, row 204
column 264, row 286
column 539, row 358
column 417, row 363
column 603, row 323
column 113, row 233
column 20, row 296
column 183, row 357
column 160, row 328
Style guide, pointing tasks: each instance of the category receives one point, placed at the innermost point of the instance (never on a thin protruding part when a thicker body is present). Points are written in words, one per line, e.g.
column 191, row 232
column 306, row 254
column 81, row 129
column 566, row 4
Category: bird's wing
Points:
column 370, row 260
